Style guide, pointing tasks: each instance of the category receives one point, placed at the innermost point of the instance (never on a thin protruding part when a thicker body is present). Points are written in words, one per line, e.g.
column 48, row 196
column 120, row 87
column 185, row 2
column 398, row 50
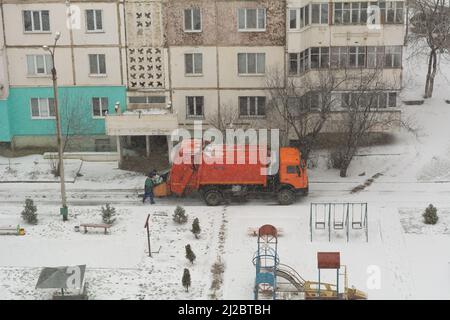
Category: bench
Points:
column 10, row 230
column 95, row 226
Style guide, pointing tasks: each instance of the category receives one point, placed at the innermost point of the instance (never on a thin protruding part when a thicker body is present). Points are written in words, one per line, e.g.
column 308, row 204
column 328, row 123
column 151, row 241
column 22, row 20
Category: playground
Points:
column 270, row 273
column 392, row 264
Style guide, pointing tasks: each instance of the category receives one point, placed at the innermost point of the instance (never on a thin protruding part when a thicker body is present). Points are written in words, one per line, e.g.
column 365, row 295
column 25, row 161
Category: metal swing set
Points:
column 339, row 217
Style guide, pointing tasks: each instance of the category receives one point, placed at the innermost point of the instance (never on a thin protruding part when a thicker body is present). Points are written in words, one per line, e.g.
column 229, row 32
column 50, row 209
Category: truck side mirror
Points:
column 303, row 164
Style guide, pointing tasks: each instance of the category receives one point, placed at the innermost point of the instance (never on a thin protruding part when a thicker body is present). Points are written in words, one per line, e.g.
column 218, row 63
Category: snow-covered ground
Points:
column 410, row 260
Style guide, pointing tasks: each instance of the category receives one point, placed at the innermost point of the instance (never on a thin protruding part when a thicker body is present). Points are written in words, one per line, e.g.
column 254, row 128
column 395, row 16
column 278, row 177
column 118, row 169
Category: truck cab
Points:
column 293, row 177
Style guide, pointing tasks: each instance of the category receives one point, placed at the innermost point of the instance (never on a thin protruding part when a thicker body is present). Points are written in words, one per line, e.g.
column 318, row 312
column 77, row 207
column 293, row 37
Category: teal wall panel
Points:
column 75, row 107
column 4, row 122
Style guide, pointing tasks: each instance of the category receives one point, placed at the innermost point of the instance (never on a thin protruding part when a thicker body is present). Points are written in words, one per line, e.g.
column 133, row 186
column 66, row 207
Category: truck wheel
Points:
column 213, row 197
column 286, row 197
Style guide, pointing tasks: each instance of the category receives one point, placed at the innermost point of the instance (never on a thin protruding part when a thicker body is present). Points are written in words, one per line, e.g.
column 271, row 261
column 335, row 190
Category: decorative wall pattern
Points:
column 145, row 42
column 145, row 68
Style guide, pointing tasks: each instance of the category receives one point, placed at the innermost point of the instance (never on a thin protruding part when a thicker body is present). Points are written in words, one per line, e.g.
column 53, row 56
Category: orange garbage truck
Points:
column 227, row 172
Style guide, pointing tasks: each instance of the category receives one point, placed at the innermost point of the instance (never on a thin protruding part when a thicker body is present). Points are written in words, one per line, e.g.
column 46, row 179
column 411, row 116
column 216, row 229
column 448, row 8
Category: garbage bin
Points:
column 64, row 211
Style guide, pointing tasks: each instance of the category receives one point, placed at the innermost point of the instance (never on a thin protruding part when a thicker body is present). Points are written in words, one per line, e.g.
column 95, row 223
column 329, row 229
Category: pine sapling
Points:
column 179, row 215
column 196, row 228
column 430, row 215
column 190, row 255
column 29, row 213
column 186, row 280
column 108, row 214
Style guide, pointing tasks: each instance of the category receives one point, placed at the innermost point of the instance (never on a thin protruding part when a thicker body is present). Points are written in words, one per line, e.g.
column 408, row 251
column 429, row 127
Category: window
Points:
column 399, row 12
column 346, row 17
column 97, row 64
column 392, row 99
column 39, row 64
column 252, row 19
column 99, row 107
column 357, row 57
column 374, row 100
column 298, row 18
column 319, row 13
column 304, row 16
column 148, row 99
column 338, row 13
column 293, row 63
column 304, row 61
column 293, row 170
column 392, row 12
column 195, row 107
column 355, row 12
column 375, row 57
column 192, row 20
column 338, row 57
column 363, row 13
column 293, row 21
column 252, row 106
column 324, row 57
column 193, row 64
column 43, row 108
column 36, row 21
column 251, row 63
column 94, row 20
column 319, row 57
column 306, row 103
column 315, row 57
column 393, row 57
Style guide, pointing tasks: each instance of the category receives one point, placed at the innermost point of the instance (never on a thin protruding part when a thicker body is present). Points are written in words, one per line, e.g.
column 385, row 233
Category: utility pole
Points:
column 60, row 168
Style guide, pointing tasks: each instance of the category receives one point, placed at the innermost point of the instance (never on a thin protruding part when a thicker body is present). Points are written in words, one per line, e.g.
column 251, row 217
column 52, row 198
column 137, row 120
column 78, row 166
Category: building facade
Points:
column 167, row 63
column 88, row 59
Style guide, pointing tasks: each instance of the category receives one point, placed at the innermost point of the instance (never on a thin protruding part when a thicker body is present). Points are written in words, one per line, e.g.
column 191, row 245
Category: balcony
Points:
column 141, row 123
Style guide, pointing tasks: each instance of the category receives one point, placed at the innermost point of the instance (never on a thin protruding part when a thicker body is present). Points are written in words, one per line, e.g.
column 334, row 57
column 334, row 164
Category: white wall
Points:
column 228, row 66
column 179, row 103
column 209, row 77
column 19, row 44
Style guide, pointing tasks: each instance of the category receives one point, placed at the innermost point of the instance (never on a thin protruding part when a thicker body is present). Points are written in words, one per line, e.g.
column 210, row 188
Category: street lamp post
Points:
column 64, row 209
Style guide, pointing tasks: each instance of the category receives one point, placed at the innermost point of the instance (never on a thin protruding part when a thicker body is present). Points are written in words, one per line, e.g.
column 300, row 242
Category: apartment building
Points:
column 222, row 51
column 167, row 63
column 340, row 35
column 214, row 57
column 88, row 59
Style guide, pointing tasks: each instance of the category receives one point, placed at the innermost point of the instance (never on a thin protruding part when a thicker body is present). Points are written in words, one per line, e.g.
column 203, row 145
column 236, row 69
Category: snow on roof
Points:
column 146, row 111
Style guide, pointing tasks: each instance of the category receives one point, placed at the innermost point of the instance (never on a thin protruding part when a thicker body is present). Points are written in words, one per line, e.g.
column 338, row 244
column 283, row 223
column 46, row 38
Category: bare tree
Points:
column 303, row 108
column 75, row 119
column 227, row 118
column 430, row 31
column 361, row 113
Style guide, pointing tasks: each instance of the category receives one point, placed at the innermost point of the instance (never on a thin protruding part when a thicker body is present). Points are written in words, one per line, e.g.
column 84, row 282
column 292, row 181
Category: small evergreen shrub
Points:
column 29, row 213
column 190, row 255
column 179, row 215
column 196, row 228
column 108, row 214
column 430, row 215
column 186, row 280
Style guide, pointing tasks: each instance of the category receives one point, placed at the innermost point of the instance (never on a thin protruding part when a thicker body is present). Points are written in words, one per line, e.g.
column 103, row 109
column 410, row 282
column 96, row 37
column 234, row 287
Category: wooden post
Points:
column 119, row 151
column 147, row 226
column 147, row 145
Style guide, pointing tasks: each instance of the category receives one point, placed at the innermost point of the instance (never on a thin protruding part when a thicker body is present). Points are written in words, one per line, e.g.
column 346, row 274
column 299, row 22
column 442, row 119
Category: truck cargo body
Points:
column 224, row 171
